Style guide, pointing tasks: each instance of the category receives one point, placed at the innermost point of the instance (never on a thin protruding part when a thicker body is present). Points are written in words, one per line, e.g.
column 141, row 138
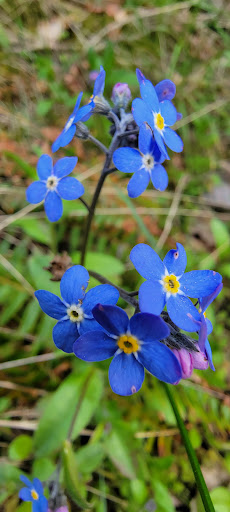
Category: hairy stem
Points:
column 202, row 487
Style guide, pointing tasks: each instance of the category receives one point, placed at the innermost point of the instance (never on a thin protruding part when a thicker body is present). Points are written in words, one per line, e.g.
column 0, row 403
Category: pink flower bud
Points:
column 59, row 509
column 200, row 360
column 121, row 95
column 186, row 361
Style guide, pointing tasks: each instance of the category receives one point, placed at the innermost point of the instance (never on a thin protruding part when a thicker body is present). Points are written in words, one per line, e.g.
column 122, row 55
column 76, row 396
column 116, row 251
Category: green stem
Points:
column 202, row 487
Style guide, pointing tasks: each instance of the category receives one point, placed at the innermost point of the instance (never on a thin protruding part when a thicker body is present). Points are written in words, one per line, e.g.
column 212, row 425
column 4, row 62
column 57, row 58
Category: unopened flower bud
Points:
column 185, row 359
column 82, row 131
column 59, row 509
column 121, row 95
column 101, row 106
column 200, row 360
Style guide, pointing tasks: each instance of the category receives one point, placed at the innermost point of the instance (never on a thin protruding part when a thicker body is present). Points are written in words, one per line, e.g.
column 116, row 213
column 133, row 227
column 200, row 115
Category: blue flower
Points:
column 158, row 115
column 70, row 127
column 134, row 345
column 145, row 164
column 205, row 326
column 167, row 283
column 33, row 492
column 53, row 186
column 165, row 90
column 99, row 84
column 74, row 310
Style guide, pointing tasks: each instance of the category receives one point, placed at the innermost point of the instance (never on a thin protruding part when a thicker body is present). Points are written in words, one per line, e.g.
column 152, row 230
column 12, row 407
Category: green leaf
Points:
column 28, row 169
column 120, row 454
column 162, row 497
column 104, row 264
column 35, row 229
column 220, row 232
column 71, row 476
column 43, row 467
column 41, row 277
column 21, row 447
column 55, row 422
column 89, row 457
column 221, row 499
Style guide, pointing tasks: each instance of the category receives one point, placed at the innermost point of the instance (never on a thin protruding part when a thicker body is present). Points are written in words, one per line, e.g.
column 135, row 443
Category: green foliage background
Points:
column 127, row 453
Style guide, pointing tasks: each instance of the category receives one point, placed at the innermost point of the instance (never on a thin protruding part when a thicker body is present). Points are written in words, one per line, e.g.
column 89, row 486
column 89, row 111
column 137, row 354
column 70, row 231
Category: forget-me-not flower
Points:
column 167, row 283
column 74, row 310
column 158, row 115
column 134, row 345
column 145, row 164
column 53, row 185
column 99, row 85
column 33, row 492
column 70, row 127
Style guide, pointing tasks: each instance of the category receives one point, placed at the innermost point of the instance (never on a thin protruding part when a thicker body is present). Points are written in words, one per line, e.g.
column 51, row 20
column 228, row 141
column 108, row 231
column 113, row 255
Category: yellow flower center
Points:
column 128, row 343
column 171, row 284
column 159, row 120
column 34, row 495
column 204, row 313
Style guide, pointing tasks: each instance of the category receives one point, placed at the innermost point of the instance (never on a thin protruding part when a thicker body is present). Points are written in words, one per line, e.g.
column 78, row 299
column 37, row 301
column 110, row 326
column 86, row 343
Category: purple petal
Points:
column 160, row 361
column 183, row 313
column 152, row 297
column 112, row 318
column 44, row 167
column 140, row 76
column 138, row 183
column 172, row 140
column 65, row 334
column 126, row 374
column 159, row 177
column 127, row 159
column 74, row 283
column 200, row 360
column 51, row 304
column 176, row 260
column 65, row 166
column 94, row 346
column 165, row 90
column 70, row 188
column 36, row 192
column 147, row 262
column 148, row 328
column 53, row 206
column 185, row 359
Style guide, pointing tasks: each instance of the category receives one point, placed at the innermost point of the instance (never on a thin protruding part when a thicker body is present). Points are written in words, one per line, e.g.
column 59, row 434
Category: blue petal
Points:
column 208, row 351
column 43, row 502
column 209, row 326
column 51, row 304
column 53, row 206
column 172, row 140
column 159, row 177
column 152, row 297
column 183, row 313
column 179, row 116
column 176, row 260
column 147, row 262
column 168, row 112
column 94, row 346
column 44, row 167
column 77, row 104
column 165, row 90
column 159, row 157
column 112, row 318
column 25, row 494
column 89, row 324
column 160, row 361
column 65, row 334
column 38, row 486
column 148, row 327
column 140, row 77
column 36, row 192
column 202, row 333
column 127, row 159
column 126, row 374
column 99, row 84
column 138, row 183
column 141, row 113
column 200, row 283
column 26, row 481
column 160, row 143
column 149, row 95
column 104, row 293
column 64, row 138
column 70, row 188
column 146, row 141
column 65, row 166
column 206, row 301
column 84, row 113
column 74, row 283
